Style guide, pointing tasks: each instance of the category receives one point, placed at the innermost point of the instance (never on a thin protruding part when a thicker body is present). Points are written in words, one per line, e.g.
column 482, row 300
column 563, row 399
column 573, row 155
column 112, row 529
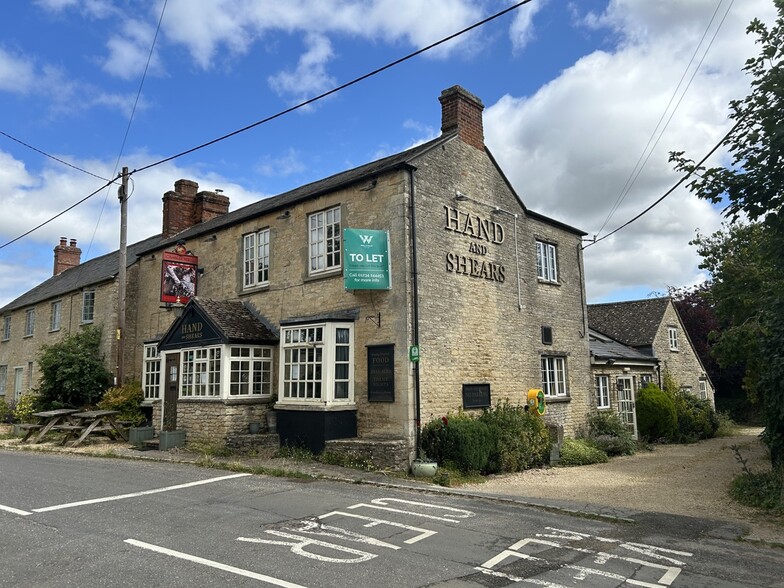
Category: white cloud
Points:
column 287, row 164
column 129, row 50
column 522, row 30
column 17, row 73
column 310, row 77
column 570, row 147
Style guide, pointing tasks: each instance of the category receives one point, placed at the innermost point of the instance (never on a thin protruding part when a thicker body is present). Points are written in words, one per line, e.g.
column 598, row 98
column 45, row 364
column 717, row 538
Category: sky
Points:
column 583, row 103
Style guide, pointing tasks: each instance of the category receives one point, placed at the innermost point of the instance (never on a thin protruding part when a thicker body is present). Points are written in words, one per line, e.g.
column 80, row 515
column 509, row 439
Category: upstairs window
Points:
column 55, row 316
column 546, row 264
column 29, row 322
column 703, row 390
column 673, row 336
column 6, row 328
column 324, row 240
column 88, row 306
column 256, row 258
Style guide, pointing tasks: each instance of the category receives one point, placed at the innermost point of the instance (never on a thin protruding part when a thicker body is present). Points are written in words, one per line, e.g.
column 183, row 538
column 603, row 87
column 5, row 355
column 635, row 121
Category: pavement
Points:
column 290, row 467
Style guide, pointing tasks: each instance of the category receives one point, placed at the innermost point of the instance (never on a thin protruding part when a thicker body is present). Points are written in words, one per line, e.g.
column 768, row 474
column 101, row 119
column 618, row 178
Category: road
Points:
column 71, row 521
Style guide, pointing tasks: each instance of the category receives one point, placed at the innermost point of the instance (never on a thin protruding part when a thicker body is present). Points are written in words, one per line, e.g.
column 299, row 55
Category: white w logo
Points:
column 366, row 239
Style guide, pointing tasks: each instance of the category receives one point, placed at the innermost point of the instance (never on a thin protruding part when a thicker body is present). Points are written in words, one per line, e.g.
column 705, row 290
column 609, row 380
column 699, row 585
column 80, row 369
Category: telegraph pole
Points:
column 123, row 196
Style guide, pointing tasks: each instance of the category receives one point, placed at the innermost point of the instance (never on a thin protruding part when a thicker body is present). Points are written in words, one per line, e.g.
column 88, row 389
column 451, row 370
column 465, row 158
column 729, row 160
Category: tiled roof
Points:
column 237, row 321
column 603, row 347
column 89, row 273
column 632, row 323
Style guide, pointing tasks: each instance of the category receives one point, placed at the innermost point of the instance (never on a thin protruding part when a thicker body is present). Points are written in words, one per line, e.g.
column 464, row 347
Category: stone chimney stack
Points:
column 66, row 256
column 461, row 111
column 186, row 206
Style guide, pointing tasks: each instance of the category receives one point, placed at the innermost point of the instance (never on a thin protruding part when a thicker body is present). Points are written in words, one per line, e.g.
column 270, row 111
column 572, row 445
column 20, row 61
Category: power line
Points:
column 130, row 120
column 59, row 214
column 643, row 159
column 336, row 89
column 57, row 159
column 671, row 190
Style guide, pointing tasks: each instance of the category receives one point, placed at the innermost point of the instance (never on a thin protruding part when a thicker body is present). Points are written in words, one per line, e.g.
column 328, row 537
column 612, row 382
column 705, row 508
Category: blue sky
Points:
column 573, row 92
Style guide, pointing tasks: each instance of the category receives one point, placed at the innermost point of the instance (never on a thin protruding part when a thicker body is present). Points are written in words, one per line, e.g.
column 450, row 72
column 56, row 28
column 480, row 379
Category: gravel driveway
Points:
column 691, row 480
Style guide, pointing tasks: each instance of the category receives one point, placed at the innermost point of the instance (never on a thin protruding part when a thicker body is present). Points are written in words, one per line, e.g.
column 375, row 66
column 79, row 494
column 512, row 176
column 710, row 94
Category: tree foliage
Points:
column 746, row 259
column 72, row 371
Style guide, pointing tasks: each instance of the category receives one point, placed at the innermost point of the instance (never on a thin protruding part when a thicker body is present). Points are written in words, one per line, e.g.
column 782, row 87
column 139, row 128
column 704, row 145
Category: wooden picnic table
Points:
column 47, row 420
column 92, row 421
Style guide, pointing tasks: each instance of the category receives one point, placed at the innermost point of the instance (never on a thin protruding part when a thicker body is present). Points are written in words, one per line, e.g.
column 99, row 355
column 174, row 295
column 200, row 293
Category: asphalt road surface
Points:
column 71, row 521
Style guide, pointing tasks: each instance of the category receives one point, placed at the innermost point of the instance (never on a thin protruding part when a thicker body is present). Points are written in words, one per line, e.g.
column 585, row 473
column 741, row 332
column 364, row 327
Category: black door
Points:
column 171, row 392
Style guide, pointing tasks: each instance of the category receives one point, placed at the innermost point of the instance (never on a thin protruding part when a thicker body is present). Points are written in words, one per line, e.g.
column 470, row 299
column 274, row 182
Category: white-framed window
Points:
column 250, row 371
column 546, row 264
column 18, row 382
column 152, row 372
column 6, row 328
column 317, row 364
column 324, row 240
column 29, row 322
column 256, row 258
column 645, row 379
column 3, row 379
column 200, row 373
column 672, row 333
column 703, row 390
column 554, row 376
column 55, row 315
column 88, row 306
column 602, row 387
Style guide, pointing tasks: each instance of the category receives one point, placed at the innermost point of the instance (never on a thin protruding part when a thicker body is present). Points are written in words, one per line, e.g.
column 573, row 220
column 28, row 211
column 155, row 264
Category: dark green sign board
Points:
column 381, row 373
column 366, row 263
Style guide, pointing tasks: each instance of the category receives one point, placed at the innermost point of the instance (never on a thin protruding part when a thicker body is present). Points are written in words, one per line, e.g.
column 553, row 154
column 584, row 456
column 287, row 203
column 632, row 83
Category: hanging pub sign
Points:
column 178, row 275
column 366, row 263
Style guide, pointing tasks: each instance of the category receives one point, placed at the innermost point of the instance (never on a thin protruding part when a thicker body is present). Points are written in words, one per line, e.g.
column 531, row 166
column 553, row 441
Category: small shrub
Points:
column 606, row 431
column 25, row 407
column 458, row 441
column 656, row 416
column 5, row 411
column 727, row 427
column 760, row 490
column 577, row 452
column 520, row 438
column 346, row 459
column 127, row 400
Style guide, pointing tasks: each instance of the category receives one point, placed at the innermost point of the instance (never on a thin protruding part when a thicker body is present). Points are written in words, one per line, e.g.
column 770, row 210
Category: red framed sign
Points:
column 178, row 276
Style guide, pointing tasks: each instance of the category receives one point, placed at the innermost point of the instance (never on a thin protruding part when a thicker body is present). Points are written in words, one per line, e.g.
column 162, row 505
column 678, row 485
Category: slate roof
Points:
column 603, row 347
column 633, row 323
column 237, row 321
column 89, row 273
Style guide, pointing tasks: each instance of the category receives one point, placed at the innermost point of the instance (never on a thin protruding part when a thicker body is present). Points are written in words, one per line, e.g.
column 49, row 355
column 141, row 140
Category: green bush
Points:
column 577, row 452
column 656, row 416
column 606, row 431
column 127, row 400
column 696, row 418
column 5, row 411
column 760, row 490
column 464, row 442
column 520, row 438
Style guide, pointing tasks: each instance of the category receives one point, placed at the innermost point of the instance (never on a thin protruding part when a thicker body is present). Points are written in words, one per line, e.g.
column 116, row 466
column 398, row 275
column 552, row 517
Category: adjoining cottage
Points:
column 654, row 329
column 360, row 305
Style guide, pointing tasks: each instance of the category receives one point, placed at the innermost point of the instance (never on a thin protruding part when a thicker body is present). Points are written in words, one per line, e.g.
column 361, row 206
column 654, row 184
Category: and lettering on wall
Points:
column 483, row 231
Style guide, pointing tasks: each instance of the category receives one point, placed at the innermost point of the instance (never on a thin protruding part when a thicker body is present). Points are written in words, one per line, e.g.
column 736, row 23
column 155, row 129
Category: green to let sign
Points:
column 366, row 263
column 413, row 353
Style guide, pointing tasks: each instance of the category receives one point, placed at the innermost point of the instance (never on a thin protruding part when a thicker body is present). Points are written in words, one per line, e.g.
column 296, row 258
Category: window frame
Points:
column 255, row 251
column 672, row 336
column 29, row 322
column 151, row 372
column 3, row 380
column 602, row 392
column 560, row 387
column 325, row 241
column 317, row 364
column 6, row 328
column 18, row 382
column 88, row 317
column 55, row 316
column 703, row 384
column 200, row 366
column 546, row 262
column 259, row 360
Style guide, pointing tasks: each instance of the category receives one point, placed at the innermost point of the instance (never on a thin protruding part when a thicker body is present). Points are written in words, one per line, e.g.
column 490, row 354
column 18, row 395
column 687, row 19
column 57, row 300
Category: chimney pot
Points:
column 73, row 242
column 63, row 241
column 66, row 256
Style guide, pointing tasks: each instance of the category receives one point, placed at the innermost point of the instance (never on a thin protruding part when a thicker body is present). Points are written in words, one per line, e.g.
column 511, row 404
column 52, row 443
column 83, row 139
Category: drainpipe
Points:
column 415, row 303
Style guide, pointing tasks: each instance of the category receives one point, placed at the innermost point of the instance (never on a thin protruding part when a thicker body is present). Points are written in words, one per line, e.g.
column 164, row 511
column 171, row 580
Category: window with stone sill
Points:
column 256, row 259
column 6, row 328
column 29, row 322
column 602, row 388
column 88, row 306
column 554, row 383
column 546, row 262
column 324, row 241
column 672, row 333
column 55, row 316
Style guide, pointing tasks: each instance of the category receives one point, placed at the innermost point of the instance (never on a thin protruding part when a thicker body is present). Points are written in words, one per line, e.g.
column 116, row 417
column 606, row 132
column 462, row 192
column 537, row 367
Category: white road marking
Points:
column 373, row 522
column 213, row 564
column 137, row 494
column 15, row 511
column 451, row 515
column 298, row 547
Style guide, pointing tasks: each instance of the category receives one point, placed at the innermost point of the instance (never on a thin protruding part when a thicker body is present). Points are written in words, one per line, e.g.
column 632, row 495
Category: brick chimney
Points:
column 186, row 206
column 66, row 256
column 461, row 111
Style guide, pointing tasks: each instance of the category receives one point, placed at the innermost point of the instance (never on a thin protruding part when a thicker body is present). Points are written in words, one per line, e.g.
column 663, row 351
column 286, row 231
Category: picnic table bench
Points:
column 92, row 421
column 47, row 420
